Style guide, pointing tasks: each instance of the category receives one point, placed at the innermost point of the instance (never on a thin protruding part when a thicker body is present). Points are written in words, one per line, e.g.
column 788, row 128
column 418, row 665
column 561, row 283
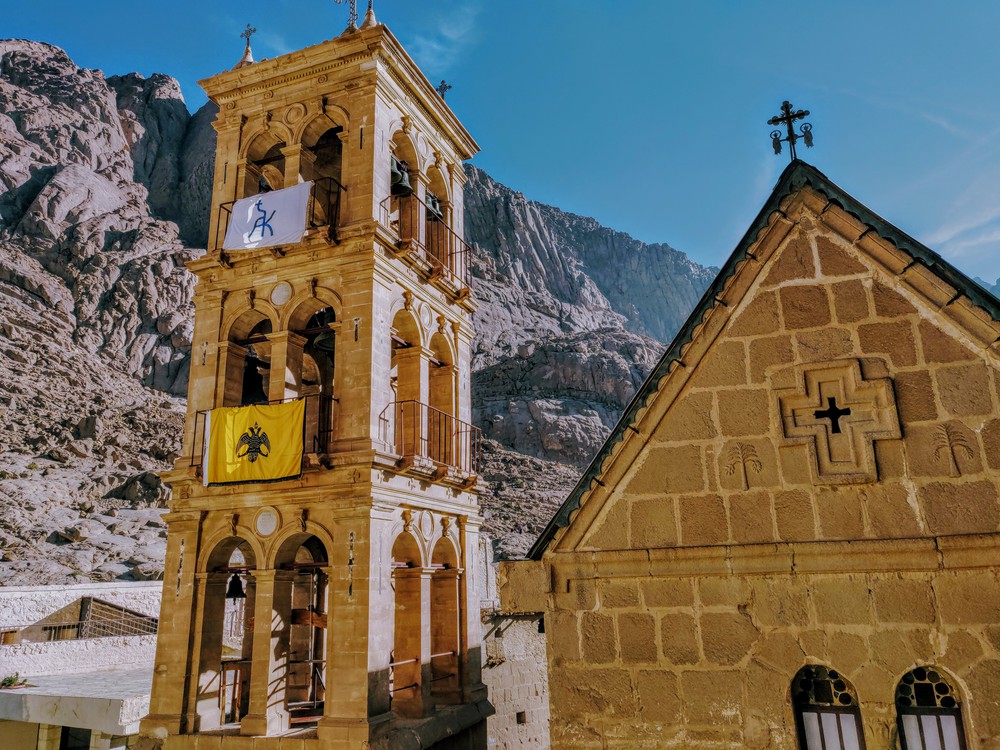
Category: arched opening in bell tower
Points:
column 437, row 216
column 441, row 430
column 406, row 373
column 305, row 610
column 256, row 365
column 311, row 367
column 407, row 691
column 225, row 654
column 322, row 160
column 445, row 623
column 404, row 212
column 265, row 164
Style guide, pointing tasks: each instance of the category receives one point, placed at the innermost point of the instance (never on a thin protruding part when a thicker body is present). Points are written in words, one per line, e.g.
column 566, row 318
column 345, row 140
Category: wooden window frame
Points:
column 920, row 711
column 801, row 710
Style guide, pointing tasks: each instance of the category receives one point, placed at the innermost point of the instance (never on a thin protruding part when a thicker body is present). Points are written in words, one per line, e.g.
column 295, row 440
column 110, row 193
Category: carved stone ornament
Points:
column 839, row 414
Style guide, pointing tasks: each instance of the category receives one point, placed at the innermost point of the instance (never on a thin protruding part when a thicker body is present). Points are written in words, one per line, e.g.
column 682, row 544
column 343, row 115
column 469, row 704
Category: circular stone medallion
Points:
column 281, row 293
column 266, row 522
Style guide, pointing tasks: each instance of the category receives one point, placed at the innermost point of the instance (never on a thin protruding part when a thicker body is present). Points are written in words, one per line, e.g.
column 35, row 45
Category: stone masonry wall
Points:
column 514, row 671
column 719, row 554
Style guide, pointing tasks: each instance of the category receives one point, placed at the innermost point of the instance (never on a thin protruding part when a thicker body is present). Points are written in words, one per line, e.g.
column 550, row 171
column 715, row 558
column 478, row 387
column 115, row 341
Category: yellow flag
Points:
column 254, row 443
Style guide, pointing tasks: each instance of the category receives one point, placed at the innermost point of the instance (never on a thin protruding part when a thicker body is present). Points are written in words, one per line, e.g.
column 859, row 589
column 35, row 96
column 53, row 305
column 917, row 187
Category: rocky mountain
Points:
column 105, row 185
column 994, row 288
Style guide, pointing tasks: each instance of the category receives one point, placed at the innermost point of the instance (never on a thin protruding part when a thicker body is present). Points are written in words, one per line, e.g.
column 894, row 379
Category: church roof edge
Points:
column 796, row 176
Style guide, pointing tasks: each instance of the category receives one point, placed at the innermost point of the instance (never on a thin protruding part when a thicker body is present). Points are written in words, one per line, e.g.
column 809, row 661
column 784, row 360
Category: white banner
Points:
column 269, row 219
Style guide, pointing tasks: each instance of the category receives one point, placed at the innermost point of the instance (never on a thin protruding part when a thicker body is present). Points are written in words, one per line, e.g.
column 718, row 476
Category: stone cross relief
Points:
column 839, row 414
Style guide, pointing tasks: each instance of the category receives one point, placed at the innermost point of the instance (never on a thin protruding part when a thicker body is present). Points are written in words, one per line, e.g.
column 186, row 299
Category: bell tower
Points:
column 338, row 606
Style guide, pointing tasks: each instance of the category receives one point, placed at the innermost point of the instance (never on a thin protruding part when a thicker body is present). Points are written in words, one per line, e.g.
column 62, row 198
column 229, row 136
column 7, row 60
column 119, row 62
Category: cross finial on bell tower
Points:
column 247, row 58
column 443, row 88
column 352, row 16
column 788, row 118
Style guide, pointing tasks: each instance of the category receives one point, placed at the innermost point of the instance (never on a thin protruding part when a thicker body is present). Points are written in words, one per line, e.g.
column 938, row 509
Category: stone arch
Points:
column 405, row 149
column 225, row 651
column 442, row 396
column 408, row 690
column 246, row 355
column 446, row 624
column 305, row 304
column 826, row 707
column 438, row 183
column 265, row 161
column 301, row 605
column 256, row 144
column 219, row 547
column 241, row 319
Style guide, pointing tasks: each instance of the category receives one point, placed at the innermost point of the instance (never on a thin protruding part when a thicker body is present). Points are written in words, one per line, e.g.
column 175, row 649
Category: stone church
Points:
column 790, row 540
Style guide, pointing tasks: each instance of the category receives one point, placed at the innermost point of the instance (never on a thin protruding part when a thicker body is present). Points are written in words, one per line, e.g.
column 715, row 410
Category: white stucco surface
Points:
column 69, row 657
column 24, row 605
column 110, row 701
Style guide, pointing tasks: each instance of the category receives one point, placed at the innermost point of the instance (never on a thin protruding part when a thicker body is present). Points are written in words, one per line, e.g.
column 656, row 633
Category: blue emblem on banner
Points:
column 263, row 222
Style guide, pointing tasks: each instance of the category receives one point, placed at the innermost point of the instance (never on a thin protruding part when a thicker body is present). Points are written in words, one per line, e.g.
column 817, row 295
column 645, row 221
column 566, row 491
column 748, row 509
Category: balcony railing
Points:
column 112, row 625
column 425, row 437
column 324, row 209
column 424, row 231
column 317, row 433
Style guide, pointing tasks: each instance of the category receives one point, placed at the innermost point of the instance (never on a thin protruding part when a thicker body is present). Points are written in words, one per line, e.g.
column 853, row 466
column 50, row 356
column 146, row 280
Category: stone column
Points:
column 204, row 373
column 470, row 634
column 268, row 670
column 411, row 684
column 412, row 386
column 224, row 183
column 229, row 381
column 100, row 740
column 286, row 365
column 203, row 711
column 177, row 609
column 445, row 626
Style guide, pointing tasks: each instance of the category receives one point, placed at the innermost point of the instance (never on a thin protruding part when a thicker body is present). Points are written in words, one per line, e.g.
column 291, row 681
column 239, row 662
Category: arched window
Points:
column 226, row 636
column 928, row 712
column 305, row 610
column 827, row 715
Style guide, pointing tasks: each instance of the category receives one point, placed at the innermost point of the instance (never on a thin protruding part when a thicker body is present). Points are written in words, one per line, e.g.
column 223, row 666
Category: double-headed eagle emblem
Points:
column 253, row 444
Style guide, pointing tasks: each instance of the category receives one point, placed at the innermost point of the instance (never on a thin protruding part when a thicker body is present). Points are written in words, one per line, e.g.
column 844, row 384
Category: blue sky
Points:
column 649, row 116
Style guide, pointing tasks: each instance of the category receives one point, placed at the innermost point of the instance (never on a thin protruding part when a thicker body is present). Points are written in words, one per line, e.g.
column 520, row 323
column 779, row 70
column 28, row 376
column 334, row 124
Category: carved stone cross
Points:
column 839, row 415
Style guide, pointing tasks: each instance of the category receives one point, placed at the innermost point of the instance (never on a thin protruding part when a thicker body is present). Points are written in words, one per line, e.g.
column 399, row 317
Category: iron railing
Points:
column 421, row 434
column 323, row 211
column 427, row 233
column 317, row 428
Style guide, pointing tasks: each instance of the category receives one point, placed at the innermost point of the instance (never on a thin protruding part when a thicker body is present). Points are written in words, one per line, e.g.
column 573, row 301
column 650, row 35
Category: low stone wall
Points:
column 62, row 657
column 24, row 605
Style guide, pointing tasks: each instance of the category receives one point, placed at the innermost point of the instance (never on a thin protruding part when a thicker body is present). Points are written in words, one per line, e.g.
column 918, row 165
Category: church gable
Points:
column 843, row 391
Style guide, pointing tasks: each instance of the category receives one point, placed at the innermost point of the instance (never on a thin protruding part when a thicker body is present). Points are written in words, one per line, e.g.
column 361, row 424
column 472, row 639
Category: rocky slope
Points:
column 104, row 193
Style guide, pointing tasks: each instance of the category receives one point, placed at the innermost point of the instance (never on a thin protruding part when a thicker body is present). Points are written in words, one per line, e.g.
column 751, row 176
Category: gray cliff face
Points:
column 105, row 190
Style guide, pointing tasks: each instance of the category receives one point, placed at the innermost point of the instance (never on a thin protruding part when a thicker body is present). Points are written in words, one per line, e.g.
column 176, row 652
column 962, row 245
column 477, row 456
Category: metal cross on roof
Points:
column 788, row 118
column 250, row 31
column 443, row 88
column 352, row 17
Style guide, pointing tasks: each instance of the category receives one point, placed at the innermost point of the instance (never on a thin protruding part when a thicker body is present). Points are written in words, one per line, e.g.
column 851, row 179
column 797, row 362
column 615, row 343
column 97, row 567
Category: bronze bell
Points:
column 325, row 342
column 400, row 179
column 235, row 589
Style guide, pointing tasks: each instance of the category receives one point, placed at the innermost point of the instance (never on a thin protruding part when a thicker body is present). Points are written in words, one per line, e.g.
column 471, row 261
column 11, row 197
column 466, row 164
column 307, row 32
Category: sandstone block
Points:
column 835, row 261
column 824, row 344
column 903, row 600
column 617, row 594
column 653, row 523
column 793, row 512
column 964, row 389
column 612, row 531
column 758, row 318
column 702, row 520
column 890, row 512
column 745, row 411
column 598, row 637
column 804, row 307
column 795, row 261
column 678, row 639
column 848, row 651
column 780, row 601
column 727, row 638
column 893, row 339
column 991, row 443
column 794, row 463
column 942, row 450
column 728, row 591
column 588, row 691
column 659, row 696
column 915, row 396
column 842, row 600
column 850, row 301
column 667, row 592
column 712, row 697
column 637, row 638
column 960, row 508
column 690, row 418
column 750, row 517
column 781, row 651
column 564, row 643
column 940, row 347
column 668, row 469
column 768, row 352
column 890, row 303
column 725, row 364
column 840, row 514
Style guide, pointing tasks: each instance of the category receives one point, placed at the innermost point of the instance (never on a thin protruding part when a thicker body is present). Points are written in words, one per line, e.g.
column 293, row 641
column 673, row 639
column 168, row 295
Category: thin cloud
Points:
column 437, row 50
